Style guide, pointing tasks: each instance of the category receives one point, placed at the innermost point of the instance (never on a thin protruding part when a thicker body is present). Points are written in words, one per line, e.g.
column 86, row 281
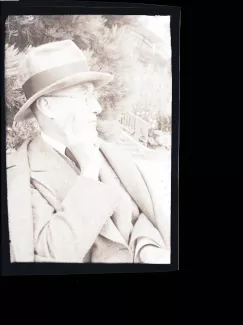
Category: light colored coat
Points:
column 56, row 215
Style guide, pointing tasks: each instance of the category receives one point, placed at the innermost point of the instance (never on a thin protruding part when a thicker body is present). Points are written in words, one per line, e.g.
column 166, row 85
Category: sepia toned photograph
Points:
column 88, row 138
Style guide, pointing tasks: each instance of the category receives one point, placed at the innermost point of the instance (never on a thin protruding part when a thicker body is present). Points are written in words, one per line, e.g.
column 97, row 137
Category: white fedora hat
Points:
column 51, row 67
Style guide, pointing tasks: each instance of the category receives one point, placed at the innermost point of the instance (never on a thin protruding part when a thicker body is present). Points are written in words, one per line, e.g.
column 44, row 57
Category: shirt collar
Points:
column 54, row 143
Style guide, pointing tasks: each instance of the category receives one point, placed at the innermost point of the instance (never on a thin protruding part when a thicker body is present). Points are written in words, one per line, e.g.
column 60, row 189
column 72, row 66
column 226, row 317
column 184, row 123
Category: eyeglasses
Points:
column 84, row 96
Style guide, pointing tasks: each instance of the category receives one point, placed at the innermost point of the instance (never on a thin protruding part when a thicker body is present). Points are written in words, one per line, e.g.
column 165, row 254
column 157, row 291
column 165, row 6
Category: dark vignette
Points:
column 17, row 8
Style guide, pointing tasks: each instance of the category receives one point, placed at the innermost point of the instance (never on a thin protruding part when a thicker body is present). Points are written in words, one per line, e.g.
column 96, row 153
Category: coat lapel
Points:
column 50, row 169
column 129, row 176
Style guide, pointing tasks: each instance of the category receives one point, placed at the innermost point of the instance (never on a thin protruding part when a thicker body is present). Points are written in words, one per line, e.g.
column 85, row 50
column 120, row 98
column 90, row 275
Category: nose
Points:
column 94, row 106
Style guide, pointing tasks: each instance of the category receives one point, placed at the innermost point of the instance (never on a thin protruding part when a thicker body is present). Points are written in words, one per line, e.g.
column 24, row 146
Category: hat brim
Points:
column 99, row 79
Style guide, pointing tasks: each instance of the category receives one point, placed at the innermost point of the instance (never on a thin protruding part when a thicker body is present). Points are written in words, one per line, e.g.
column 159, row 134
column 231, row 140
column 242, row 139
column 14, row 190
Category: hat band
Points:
column 49, row 77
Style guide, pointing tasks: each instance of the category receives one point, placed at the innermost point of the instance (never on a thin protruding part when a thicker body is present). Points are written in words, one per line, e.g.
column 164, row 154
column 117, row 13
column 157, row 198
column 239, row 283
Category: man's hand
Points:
column 154, row 255
column 85, row 147
column 89, row 159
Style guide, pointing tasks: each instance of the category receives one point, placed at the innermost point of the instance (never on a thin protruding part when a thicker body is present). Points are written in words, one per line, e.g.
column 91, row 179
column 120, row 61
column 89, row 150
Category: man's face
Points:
column 74, row 110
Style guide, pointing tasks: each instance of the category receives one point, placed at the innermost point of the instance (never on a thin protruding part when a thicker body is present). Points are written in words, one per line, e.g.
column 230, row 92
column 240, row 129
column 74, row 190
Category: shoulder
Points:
column 17, row 167
column 115, row 147
column 15, row 157
column 11, row 158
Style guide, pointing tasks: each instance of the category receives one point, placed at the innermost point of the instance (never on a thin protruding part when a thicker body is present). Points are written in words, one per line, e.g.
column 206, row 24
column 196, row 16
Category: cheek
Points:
column 80, row 122
column 65, row 114
column 61, row 116
column 81, row 114
column 80, row 117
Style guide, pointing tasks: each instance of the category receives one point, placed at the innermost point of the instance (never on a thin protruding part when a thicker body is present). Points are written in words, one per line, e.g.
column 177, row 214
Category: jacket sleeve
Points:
column 20, row 221
column 157, row 180
column 68, row 234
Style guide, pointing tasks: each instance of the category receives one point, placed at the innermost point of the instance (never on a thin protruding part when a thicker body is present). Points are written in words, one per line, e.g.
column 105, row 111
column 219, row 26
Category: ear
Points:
column 43, row 104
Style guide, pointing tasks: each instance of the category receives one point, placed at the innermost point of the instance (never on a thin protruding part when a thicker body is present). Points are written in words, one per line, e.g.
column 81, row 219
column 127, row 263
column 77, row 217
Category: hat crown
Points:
column 50, row 55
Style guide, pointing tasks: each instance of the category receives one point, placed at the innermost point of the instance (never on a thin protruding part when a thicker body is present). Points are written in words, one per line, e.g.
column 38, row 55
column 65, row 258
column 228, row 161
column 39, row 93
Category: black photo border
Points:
column 99, row 8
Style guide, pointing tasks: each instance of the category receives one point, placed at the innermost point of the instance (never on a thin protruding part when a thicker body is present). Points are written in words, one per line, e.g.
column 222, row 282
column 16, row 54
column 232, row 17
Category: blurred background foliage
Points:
column 120, row 45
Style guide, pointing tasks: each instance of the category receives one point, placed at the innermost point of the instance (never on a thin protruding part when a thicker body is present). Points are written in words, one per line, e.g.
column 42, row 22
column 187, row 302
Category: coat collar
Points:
column 42, row 156
column 60, row 147
column 18, row 157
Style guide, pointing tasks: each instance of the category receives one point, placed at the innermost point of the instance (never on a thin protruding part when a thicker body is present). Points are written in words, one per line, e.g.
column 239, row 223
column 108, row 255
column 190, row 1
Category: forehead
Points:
column 77, row 89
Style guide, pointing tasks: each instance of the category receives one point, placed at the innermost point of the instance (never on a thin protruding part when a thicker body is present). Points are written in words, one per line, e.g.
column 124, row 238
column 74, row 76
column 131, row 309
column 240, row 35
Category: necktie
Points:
column 69, row 154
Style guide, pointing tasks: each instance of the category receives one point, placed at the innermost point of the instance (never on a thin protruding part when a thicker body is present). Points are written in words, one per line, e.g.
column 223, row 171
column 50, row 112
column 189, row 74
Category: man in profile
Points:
column 73, row 197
